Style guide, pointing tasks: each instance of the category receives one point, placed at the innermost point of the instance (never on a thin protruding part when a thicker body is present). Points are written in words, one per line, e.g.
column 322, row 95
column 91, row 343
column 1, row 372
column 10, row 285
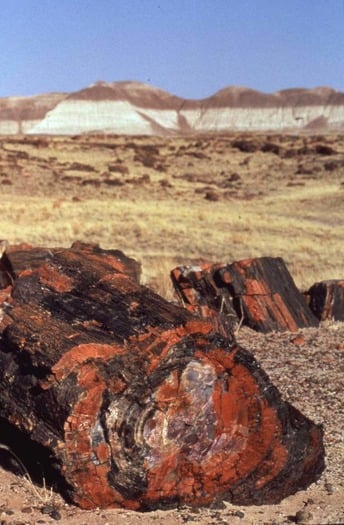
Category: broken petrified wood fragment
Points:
column 260, row 291
column 198, row 293
column 137, row 402
column 326, row 300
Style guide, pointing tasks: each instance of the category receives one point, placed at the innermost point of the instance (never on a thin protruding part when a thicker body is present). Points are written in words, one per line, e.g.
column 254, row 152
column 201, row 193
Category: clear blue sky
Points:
column 191, row 48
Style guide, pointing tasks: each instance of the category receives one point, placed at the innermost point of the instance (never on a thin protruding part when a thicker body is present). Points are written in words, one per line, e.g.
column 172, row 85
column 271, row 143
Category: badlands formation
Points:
column 136, row 108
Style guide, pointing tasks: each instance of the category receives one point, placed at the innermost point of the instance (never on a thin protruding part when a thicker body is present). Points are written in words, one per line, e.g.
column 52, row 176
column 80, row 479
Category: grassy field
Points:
column 178, row 200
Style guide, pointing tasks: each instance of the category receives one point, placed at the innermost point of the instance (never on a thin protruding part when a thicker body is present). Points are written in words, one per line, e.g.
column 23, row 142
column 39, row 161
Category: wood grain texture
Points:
column 260, row 292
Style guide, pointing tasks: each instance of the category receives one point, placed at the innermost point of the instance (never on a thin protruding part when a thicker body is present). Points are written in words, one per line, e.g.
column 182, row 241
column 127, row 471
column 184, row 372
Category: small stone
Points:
column 212, row 196
column 302, row 516
column 47, row 509
column 55, row 515
column 239, row 514
column 26, row 510
column 329, row 488
column 298, row 340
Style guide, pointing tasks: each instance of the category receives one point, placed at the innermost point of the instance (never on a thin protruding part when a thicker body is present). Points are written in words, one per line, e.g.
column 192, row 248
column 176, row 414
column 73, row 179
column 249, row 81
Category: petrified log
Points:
column 24, row 256
column 260, row 291
column 198, row 292
column 326, row 300
column 137, row 402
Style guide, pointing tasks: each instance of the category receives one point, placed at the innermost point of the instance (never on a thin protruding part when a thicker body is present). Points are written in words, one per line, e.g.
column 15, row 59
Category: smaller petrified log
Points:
column 326, row 300
column 260, row 291
column 198, row 293
column 266, row 293
column 137, row 402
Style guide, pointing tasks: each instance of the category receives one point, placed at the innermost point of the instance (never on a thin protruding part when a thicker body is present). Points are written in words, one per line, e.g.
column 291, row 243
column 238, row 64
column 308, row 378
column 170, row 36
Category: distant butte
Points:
column 135, row 108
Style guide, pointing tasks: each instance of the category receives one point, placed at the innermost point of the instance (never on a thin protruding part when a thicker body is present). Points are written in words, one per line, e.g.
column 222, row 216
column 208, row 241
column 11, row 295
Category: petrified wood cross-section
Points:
column 139, row 403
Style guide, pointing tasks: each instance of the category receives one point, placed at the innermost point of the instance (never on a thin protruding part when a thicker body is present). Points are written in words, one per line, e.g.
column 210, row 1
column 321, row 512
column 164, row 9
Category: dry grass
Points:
column 271, row 210
column 40, row 494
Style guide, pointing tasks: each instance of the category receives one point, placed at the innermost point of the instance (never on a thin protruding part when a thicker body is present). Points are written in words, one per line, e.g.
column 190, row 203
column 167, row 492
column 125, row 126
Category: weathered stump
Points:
column 137, row 402
column 326, row 300
column 260, row 291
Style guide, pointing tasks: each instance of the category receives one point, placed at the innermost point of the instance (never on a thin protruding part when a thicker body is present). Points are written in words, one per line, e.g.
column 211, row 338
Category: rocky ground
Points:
column 307, row 368
column 215, row 167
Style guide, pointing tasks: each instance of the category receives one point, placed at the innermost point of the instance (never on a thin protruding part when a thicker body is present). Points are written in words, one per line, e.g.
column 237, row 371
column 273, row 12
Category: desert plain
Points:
column 178, row 200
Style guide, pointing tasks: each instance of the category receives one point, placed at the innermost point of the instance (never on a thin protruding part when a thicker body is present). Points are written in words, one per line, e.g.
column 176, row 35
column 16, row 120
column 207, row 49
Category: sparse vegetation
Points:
column 41, row 494
column 139, row 195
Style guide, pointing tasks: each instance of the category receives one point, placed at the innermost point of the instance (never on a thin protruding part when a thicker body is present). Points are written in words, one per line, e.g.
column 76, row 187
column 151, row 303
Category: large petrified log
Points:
column 326, row 299
column 134, row 401
column 260, row 291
